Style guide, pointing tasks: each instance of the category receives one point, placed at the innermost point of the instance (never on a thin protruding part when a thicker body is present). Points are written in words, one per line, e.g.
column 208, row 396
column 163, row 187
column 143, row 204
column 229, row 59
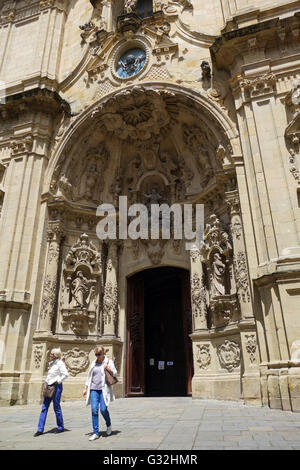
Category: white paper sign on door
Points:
column 151, row 362
column 161, row 365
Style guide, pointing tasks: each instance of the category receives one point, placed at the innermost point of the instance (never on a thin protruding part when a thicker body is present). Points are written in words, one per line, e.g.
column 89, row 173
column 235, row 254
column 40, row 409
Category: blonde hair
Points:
column 99, row 349
column 56, row 352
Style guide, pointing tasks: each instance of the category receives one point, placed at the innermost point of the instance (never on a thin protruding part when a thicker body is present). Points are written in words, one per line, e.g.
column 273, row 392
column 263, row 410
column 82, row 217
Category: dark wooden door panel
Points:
column 135, row 337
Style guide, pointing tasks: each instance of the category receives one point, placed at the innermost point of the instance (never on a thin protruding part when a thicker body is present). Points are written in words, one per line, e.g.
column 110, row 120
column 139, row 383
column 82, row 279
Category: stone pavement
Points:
column 155, row 423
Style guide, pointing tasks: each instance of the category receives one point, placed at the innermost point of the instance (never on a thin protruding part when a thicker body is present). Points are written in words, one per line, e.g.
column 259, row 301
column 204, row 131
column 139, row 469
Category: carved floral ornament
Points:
column 37, row 355
column 138, row 114
column 203, row 356
column 251, row 345
column 198, row 296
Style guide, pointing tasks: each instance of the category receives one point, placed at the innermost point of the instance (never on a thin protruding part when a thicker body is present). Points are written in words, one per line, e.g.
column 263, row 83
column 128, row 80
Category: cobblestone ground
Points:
column 155, row 423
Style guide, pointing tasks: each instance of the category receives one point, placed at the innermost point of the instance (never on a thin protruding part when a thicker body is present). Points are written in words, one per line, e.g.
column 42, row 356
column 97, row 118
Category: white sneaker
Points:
column 94, row 437
column 108, row 431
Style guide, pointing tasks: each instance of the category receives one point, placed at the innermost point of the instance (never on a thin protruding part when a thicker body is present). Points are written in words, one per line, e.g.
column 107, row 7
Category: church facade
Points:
column 166, row 101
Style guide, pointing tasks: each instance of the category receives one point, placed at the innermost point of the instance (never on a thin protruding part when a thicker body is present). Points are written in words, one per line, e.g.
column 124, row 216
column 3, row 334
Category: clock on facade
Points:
column 131, row 62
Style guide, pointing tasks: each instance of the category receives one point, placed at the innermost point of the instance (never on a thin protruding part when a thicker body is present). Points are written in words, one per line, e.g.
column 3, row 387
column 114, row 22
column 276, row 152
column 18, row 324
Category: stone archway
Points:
column 151, row 145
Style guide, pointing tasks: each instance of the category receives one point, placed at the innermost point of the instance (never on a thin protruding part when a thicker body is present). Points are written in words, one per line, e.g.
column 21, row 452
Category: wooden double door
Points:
column 159, row 350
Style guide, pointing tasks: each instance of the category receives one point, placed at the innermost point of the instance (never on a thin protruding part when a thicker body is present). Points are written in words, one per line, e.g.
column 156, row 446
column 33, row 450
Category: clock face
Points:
column 130, row 63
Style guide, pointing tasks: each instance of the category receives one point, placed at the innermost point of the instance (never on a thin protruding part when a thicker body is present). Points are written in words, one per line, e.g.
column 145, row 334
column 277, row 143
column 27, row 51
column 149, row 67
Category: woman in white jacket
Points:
column 56, row 374
column 98, row 392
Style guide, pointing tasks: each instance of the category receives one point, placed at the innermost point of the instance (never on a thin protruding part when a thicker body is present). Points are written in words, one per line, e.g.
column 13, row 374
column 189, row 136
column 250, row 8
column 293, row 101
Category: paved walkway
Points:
column 155, row 423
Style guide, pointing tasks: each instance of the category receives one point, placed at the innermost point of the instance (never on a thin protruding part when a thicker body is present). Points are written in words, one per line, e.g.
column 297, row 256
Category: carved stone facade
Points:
column 182, row 102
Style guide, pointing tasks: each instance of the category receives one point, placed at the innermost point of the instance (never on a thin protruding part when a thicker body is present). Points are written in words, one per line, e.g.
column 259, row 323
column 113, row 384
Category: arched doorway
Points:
column 159, row 321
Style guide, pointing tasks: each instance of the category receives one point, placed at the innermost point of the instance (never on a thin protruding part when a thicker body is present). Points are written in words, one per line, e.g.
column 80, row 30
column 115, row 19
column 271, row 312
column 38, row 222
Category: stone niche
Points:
column 80, row 289
column 217, row 259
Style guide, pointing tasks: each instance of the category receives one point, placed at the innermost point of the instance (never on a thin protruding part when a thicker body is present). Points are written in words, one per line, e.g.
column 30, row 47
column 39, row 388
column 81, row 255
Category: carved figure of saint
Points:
column 81, row 290
column 218, row 281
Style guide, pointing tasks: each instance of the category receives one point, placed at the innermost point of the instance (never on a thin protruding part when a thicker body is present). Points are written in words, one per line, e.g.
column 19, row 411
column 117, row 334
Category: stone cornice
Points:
column 14, row 14
column 249, row 39
column 277, row 277
column 37, row 99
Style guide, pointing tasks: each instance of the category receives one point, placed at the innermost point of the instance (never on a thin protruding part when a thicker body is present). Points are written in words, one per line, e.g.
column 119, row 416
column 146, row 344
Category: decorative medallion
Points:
column 131, row 62
column 76, row 361
column 229, row 355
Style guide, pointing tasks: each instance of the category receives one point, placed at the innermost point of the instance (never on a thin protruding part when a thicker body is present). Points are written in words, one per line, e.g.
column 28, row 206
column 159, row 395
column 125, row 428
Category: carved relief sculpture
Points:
column 216, row 255
column 251, row 345
column 229, row 354
column 203, row 356
column 79, row 299
column 76, row 361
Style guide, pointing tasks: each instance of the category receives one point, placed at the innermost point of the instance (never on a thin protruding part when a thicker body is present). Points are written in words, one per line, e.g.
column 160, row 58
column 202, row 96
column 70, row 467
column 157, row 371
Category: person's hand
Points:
column 84, row 391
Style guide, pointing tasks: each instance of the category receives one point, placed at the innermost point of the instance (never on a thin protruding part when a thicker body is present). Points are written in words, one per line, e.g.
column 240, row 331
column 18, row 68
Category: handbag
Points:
column 110, row 379
column 48, row 390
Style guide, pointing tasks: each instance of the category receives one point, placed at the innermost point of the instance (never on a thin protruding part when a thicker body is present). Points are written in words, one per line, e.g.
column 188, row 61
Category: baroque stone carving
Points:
column 37, row 355
column 139, row 114
column 198, row 296
column 155, row 250
column 258, row 86
column 76, row 361
column 196, row 141
column 49, row 297
column 292, row 133
column 80, row 290
column 81, row 179
column 223, row 308
column 22, row 145
column 229, row 354
column 206, row 70
column 110, row 303
column 241, row 276
column 203, row 356
column 251, row 345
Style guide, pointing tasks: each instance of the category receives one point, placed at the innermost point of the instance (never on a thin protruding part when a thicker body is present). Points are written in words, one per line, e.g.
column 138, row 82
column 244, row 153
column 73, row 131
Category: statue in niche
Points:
column 218, row 275
column 81, row 290
column 130, row 6
column 206, row 71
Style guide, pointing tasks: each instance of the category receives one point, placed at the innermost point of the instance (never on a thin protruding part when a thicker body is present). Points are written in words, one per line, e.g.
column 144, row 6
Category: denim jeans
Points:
column 56, row 405
column 96, row 399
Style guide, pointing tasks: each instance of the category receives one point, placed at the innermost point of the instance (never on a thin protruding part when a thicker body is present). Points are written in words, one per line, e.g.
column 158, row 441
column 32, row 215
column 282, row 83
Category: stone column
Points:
column 239, row 255
column 111, row 291
column 49, row 296
column 198, row 291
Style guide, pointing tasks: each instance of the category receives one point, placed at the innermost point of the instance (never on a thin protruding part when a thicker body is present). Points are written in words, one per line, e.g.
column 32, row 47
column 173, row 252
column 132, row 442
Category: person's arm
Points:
column 63, row 372
column 111, row 368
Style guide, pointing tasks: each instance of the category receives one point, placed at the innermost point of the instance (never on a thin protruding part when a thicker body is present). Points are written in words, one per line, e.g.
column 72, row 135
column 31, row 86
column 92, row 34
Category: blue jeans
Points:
column 57, row 409
column 96, row 398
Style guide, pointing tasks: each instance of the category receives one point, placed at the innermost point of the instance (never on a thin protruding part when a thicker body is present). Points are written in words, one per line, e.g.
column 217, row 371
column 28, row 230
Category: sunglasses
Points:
column 99, row 354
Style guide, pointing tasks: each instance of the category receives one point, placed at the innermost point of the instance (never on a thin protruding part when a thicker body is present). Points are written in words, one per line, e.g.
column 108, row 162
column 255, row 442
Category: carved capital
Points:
column 22, row 145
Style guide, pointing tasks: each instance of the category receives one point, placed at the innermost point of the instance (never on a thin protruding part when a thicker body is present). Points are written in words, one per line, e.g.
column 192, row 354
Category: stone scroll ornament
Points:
column 229, row 354
column 81, row 280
